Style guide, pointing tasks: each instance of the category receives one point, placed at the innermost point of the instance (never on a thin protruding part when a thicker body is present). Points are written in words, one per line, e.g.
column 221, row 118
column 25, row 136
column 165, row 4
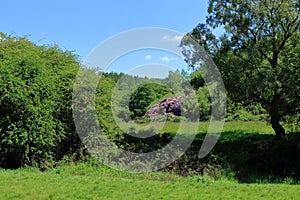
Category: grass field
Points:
column 257, row 127
column 244, row 145
column 82, row 182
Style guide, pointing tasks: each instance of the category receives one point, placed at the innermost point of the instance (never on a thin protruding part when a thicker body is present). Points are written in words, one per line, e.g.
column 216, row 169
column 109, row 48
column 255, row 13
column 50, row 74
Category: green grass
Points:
column 248, row 148
column 249, row 127
column 83, row 182
column 260, row 127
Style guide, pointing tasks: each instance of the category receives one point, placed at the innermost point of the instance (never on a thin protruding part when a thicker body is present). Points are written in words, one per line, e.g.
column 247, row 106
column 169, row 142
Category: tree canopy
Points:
column 258, row 55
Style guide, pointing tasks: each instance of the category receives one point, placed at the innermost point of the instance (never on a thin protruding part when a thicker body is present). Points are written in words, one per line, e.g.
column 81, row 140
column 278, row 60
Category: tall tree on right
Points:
column 259, row 53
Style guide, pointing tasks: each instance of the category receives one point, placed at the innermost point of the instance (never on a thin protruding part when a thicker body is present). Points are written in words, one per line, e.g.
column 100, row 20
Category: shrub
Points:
column 35, row 103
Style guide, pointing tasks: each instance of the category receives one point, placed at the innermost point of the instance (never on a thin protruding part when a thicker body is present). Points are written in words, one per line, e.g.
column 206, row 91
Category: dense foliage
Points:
column 258, row 55
column 146, row 95
column 132, row 96
column 35, row 102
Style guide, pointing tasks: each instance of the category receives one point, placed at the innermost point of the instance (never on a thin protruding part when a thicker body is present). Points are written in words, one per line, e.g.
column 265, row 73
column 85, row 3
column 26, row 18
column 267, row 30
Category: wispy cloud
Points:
column 166, row 58
column 148, row 57
column 175, row 38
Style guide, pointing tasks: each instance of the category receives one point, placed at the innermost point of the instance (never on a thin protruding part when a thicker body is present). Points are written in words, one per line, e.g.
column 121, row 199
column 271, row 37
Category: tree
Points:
column 174, row 82
column 103, row 100
column 145, row 96
column 35, row 102
column 258, row 55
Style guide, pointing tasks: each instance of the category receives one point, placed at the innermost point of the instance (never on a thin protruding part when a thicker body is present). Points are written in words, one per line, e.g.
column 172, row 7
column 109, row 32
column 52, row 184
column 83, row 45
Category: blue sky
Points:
column 81, row 25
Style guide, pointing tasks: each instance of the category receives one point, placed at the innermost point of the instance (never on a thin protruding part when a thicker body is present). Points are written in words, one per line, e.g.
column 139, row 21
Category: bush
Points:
column 35, row 103
column 145, row 96
column 253, row 112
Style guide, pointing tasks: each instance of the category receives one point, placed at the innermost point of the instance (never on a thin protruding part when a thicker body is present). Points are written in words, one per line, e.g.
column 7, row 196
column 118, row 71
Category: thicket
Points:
column 35, row 103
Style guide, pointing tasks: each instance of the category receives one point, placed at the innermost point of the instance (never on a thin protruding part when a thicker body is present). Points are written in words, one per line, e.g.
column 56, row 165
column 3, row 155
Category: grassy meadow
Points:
column 240, row 140
column 83, row 182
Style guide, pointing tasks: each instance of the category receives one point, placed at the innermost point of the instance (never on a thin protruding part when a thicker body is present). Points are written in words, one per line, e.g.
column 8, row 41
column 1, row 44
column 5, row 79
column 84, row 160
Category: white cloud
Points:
column 148, row 57
column 166, row 58
column 175, row 38
column 166, row 37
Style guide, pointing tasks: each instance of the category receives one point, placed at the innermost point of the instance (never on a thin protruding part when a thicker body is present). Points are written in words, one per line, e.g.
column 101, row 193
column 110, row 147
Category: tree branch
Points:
column 259, row 99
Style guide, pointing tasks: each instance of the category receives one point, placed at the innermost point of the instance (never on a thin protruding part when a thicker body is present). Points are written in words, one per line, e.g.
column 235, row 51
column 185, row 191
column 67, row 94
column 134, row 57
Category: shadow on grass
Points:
column 254, row 157
column 247, row 157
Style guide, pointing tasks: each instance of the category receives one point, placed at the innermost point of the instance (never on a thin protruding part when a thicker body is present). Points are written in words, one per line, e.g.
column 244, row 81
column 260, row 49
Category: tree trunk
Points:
column 279, row 130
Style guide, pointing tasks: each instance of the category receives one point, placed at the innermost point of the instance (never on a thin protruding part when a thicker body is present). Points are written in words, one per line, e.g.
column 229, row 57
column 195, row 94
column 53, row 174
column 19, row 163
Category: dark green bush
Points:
column 252, row 112
column 145, row 96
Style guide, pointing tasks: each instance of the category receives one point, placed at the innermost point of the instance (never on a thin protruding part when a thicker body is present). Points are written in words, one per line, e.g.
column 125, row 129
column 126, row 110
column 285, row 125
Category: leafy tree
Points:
column 145, row 96
column 258, row 55
column 103, row 100
column 35, row 103
column 204, row 103
column 63, row 65
column 175, row 81
column 196, row 80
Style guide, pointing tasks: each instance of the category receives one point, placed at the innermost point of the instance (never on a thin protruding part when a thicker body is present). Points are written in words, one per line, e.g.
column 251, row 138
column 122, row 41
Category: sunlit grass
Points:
column 172, row 127
column 247, row 127
column 83, row 182
column 231, row 129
